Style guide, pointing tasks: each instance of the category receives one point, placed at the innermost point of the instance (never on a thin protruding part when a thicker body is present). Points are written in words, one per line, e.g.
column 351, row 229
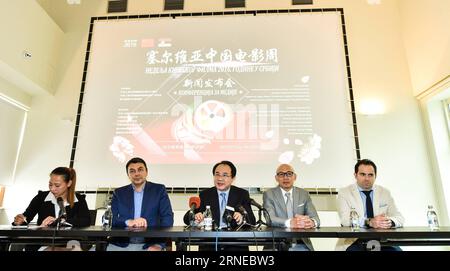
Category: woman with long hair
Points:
column 45, row 203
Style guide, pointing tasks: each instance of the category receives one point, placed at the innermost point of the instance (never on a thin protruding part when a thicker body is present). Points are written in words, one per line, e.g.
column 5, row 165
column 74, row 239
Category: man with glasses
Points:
column 290, row 206
column 139, row 205
column 221, row 195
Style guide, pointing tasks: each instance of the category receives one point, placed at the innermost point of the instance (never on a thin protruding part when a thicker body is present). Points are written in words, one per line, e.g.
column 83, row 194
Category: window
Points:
column 447, row 113
column 12, row 124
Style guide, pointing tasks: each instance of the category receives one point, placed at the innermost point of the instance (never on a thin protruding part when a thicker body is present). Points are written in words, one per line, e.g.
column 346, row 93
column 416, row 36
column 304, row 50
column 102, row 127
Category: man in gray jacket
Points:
column 290, row 206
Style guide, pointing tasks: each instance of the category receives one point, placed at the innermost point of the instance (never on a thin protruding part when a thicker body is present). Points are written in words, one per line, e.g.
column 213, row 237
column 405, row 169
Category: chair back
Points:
column 93, row 215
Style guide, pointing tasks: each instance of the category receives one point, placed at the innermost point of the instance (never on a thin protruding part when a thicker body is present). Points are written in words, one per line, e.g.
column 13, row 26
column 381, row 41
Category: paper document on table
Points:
column 12, row 227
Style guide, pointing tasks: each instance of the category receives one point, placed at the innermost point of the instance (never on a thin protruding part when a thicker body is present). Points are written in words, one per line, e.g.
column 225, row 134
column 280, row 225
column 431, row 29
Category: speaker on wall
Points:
column 117, row 6
column 234, row 3
column 173, row 4
column 302, row 2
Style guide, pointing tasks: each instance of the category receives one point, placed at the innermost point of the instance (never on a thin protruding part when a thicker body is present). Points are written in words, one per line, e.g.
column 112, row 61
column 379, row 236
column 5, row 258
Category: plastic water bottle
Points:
column 354, row 219
column 432, row 218
column 107, row 217
column 207, row 220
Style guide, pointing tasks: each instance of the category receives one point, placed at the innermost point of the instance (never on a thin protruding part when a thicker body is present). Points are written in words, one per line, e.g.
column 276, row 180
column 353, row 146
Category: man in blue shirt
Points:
column 140, row 204
column 373, row 203
column 218, row 197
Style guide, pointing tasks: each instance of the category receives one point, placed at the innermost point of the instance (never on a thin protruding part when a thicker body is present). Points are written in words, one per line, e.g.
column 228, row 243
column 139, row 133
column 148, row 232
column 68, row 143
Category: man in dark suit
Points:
column 221, row 195
column 140, row 204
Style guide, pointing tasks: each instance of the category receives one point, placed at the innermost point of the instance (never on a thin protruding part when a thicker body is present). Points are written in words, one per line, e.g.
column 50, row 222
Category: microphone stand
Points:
column 58, row 224
column 268, row 223
column 252, row 227
column 189, row 227
column 245, row 223
column 191, row 221
column 260, row 222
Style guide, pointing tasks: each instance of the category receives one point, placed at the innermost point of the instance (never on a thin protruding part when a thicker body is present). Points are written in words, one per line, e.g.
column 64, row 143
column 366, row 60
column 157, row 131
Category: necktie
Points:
column 290, row 212
column 369, row 206
column 223, row 203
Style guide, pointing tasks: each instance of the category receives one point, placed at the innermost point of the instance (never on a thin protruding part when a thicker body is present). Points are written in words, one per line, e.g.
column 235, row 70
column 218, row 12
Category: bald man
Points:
column 290, row 206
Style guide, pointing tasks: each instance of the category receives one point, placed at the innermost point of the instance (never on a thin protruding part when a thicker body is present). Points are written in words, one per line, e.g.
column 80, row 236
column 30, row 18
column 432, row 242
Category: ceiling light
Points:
column 73, row 2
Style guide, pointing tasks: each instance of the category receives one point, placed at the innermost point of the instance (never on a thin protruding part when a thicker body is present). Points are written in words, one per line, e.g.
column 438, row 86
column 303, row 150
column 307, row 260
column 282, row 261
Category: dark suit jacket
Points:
column 156, row 208
column 237, row 196
column 78, row 216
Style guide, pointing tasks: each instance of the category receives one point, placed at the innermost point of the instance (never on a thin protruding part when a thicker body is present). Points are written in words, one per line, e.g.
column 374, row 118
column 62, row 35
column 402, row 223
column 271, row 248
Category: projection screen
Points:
column 184, row 93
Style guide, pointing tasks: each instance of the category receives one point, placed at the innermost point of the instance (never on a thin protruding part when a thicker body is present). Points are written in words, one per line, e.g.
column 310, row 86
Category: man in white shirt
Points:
column 290, row 206
column 373, row 203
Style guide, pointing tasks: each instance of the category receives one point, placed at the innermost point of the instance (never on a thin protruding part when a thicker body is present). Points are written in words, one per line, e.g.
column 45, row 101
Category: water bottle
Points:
column 354, row 219
column 107, row 217
column 432, row 218
column 207, row 220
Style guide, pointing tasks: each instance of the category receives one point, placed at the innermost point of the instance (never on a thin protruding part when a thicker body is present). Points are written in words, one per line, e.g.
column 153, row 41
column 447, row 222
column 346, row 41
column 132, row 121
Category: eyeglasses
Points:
column 285, row 174
column 140, row 170
column 224, row 175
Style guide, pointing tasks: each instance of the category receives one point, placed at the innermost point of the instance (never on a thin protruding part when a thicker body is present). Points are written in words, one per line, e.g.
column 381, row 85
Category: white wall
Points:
column 379, row 63
column 427, row 40
column 26, row 27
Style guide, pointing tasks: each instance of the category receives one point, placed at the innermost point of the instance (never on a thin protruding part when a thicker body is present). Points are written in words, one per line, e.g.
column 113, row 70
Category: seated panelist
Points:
column 291, row 207
column 45, row 203
column 221, row 195
column 140, row 205
column 374, row 204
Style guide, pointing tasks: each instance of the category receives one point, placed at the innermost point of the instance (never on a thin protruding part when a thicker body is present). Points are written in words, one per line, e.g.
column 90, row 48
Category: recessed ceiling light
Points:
column 374, row 2
column 73, row 2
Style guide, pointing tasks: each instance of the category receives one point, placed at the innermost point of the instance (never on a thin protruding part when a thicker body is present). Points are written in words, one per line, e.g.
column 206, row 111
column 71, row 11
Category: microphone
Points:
column 228, row 215
column 60, row 220
column 244, row 213
column 62, row 209
column 242, row 210
column 194, row 203
column 257, row 205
